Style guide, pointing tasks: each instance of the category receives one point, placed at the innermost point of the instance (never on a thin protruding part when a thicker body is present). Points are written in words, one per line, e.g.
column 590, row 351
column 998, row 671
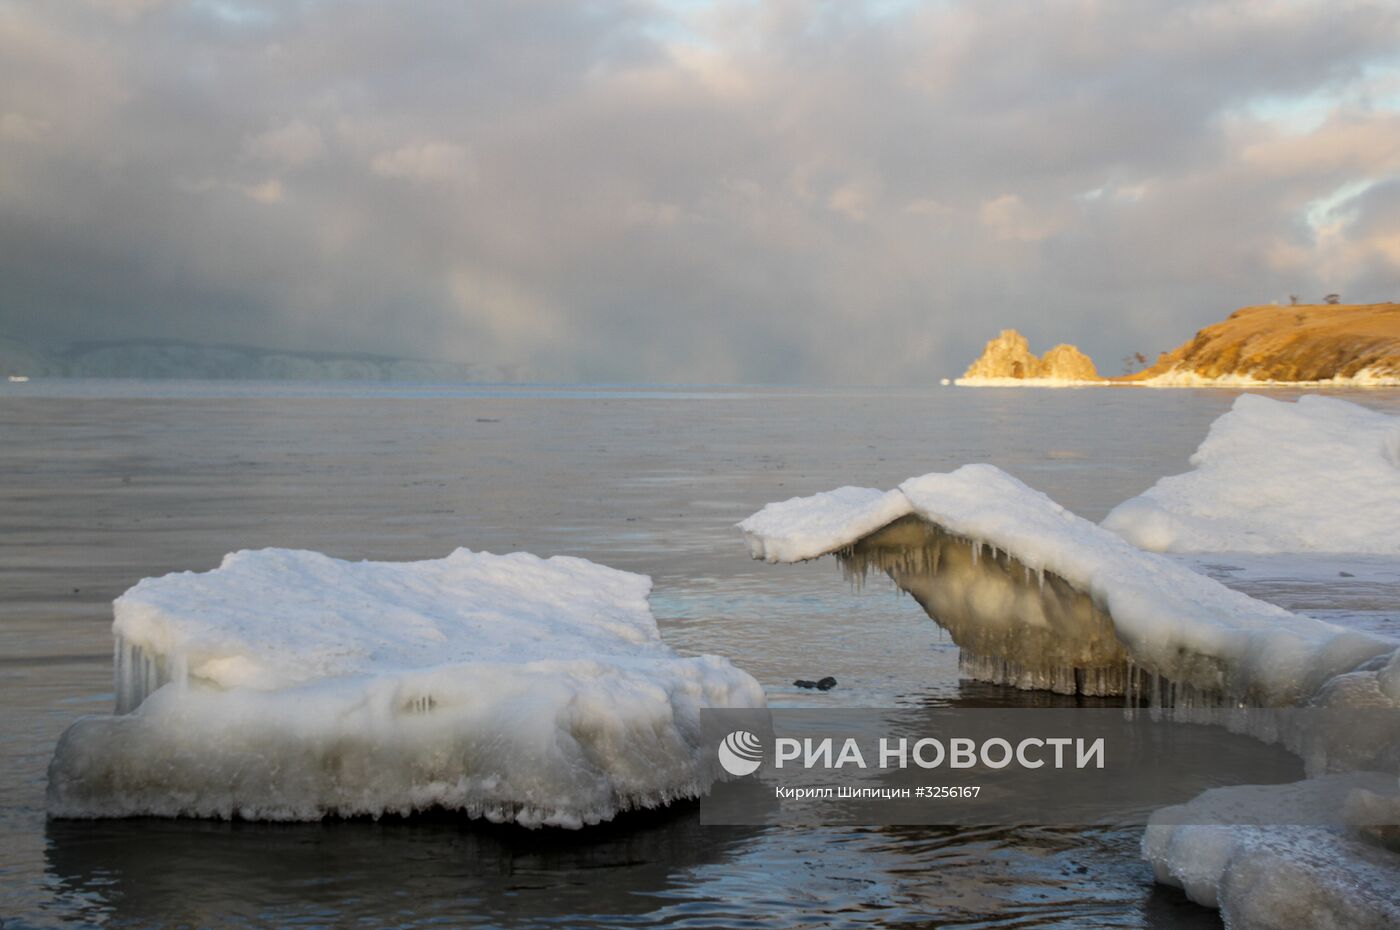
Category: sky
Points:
column 689, row 192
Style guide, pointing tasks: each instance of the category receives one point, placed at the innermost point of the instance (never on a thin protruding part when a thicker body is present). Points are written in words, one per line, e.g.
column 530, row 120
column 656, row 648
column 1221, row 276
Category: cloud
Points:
column 427, row 163
column 772, row 191
column 1008, row 217
column 292, row 145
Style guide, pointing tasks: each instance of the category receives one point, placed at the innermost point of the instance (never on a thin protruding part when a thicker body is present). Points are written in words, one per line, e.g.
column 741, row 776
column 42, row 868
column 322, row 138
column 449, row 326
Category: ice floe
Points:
column 1319, row 475
column 1037, row 597
column 1230, row 849
column 288, row 685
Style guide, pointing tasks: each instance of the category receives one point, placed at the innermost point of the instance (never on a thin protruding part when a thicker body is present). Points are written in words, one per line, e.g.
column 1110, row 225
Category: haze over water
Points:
column 102, row 484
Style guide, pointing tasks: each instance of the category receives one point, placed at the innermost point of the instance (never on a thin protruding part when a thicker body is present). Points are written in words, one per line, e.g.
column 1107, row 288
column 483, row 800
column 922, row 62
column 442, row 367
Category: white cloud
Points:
column 293, row 145
column 1008, row 217
column 427, row 163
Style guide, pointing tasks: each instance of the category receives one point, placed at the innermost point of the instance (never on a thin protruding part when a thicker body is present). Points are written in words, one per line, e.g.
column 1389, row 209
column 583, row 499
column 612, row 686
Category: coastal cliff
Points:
column 1318, row 344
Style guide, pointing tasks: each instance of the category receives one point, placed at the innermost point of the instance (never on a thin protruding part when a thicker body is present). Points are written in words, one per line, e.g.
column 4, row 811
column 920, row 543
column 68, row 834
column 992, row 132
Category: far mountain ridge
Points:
column 173, row 358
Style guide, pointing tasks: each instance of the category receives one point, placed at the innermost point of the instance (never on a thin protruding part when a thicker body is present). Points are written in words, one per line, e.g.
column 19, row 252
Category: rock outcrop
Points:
column 1345, row 343
column 1008, row 358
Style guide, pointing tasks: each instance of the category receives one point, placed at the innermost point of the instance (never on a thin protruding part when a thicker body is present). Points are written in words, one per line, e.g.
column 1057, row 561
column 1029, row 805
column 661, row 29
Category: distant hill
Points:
column 1357, row 343
column 1327, row 344
column 176, row 359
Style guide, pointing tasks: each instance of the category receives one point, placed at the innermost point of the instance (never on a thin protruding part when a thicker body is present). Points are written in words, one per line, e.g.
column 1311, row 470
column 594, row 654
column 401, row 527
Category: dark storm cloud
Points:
column 755, row 192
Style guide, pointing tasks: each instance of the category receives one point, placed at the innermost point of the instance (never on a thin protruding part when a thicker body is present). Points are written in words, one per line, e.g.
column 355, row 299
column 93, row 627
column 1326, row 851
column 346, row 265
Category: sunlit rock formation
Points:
column 1008, row 358
column 1340, row 345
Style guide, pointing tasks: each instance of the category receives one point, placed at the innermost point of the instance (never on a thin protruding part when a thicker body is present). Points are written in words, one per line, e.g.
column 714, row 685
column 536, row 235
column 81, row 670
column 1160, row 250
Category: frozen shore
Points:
column 1038, row 598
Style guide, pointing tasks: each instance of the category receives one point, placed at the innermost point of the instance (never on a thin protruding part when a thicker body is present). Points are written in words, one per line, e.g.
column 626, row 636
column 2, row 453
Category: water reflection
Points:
column 415, row 872
column 649, row 870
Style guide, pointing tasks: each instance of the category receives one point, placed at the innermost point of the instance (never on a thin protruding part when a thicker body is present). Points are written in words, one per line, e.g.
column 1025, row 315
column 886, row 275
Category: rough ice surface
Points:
column 1220, row 850
column 1036, row 597
column 1319, row 475
column 289, row 685
column 807, row 527
column 1040, row 598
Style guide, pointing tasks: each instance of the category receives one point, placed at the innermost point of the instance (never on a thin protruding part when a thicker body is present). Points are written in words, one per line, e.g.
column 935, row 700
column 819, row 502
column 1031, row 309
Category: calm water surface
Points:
column 102, row 484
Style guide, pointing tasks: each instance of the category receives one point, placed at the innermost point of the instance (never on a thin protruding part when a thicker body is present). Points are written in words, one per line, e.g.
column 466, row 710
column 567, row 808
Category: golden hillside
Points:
column 1309, row 342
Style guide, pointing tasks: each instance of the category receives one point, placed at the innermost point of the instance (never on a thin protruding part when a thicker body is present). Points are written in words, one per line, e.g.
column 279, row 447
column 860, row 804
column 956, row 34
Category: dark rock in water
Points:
column 804, row 683
column 824, row 684
column 1346, row 574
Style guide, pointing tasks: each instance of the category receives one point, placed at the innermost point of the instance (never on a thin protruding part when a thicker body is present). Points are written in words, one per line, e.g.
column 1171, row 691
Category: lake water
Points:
column 103, row 483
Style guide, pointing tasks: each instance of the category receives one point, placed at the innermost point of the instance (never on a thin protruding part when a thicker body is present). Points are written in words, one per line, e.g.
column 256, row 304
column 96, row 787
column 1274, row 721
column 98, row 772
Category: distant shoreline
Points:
column 1270, row 346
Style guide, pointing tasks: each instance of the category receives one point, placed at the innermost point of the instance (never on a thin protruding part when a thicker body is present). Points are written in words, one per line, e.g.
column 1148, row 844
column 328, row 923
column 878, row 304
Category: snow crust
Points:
column 1050, row 583
column 288, row 685
column 1222, row 850
column 804, row 528
column 1319, row 475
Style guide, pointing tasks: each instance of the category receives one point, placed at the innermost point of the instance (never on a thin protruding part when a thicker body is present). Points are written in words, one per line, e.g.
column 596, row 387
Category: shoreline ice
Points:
column 288, row 685
column 1221, row 851
column 1318, row 475
column 1041, row 598
column 1182, row 378
column 1036, row 597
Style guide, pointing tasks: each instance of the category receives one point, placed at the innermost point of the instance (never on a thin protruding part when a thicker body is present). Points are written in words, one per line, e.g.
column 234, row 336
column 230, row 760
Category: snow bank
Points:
column 1319, row 475
column 289, row 685
column 1039, row 598
column 1225, row 850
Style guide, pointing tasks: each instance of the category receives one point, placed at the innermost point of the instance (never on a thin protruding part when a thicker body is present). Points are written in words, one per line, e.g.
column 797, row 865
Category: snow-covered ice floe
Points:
column 1037, row 597
column 1226, row 849
column 289, row 685
column 1319, row 475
